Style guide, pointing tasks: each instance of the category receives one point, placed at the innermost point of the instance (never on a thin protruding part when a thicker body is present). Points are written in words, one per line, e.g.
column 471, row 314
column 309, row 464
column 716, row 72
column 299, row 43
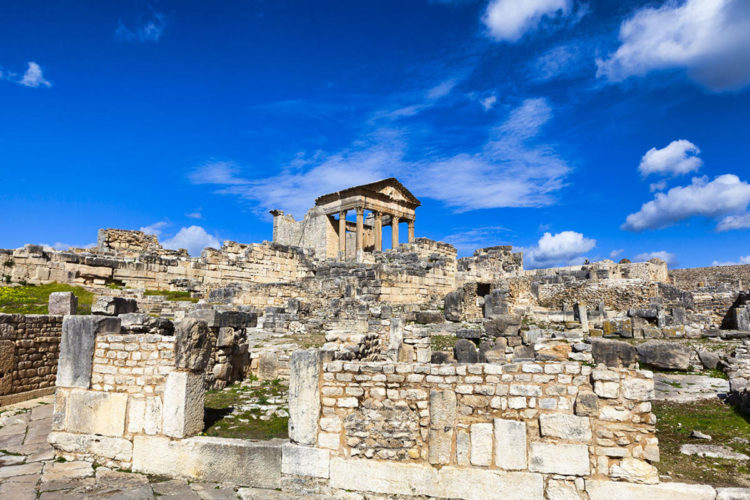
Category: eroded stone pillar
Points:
column 411, row 231
column 442, row 422
column 304, row 396
column 378, row 231
column 342, row 234
column 394, row 231
column 360, row 228
column 77, row 348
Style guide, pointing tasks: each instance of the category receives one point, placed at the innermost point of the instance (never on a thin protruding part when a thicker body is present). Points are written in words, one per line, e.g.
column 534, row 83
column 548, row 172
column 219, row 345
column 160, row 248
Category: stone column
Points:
column 360, row 228
column 394, row 231
column 304, row 396
column 378, row 231
column 411, row 231
column 342, row 234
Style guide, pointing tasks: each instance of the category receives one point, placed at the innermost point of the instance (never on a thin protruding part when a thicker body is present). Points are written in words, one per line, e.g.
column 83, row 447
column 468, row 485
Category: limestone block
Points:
column 382, row 477
column 305, row 461
column 268, row 365
column 226, row 337
column 664, row 354
column 482, row 484
column 192, row 346
column 110, row 447
column 463, row 447
column 106, row 305
column 481, row 444
column 442, row 408
column 563, row 426
column 733, row 494
column 510, row 444
column 183, row 404
column 562, row 490
column 7, row 362
column 638, row 388
column 77, row 348
column 613, row 353
column 567, row 459
column 465, row 351
column 91, row 412
column 634, row 471
column 440, row 446
column 222, row 319
column 609, row 490
column 247, row 463
column 62, row 303
column 605, row 389
column 587, row 403
column 304, row 396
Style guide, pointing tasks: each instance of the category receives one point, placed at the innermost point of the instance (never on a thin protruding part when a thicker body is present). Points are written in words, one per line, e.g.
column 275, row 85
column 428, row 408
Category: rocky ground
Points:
column 28, row 469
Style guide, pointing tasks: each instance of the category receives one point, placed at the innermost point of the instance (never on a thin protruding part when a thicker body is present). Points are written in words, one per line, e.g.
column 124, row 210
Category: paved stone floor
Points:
column 28, row 469
column 688, row 388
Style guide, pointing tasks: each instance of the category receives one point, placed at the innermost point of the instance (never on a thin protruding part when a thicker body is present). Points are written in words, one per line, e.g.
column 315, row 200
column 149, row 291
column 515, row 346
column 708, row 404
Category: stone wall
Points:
column 736, row 277
column 29, row 346
column 488, row 265
column 617, row 294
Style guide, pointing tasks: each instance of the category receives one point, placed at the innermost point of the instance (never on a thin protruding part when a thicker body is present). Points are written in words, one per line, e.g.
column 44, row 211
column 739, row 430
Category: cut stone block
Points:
column 566, row 459
column 91, row 412
column 192, row 345
column 304, row 396
column 567, row 427
column 62, row 303
column 106, row 305
column 305, row 461
column 77, row 348
column 481, row 444
column 115, row 448
column 510, row 444
column 183, row 404
column 610, row 490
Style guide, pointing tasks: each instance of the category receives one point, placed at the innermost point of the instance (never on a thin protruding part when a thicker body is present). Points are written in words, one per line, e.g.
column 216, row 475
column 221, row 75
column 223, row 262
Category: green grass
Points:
column 172, row 295
column 675, row 422
column 443, row 342
column 34, row 299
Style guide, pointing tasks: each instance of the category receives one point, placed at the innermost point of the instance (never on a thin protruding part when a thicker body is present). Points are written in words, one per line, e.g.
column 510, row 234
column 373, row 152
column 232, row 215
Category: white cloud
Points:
column 564, row 61
column 565, row 248
column 657, row 186
column 725, row 195
column 194, row 239
column 149, row 30
column 741, row 221
column 616, row 253
column 508, row 171
column 742, row 261
column 33, row 77
column 677, row 158
column 468, row 240
column 509, row 20
column 155, row 228
column 441, row 90
column 488, row 102
column 64, row 246
column 669, row 258
column 707, row 38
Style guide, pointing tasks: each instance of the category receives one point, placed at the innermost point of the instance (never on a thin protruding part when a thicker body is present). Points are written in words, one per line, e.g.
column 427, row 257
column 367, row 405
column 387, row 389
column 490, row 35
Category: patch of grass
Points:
column 676, row 385
column 675, row 422
column 173, row 295
column 443, row 342
column 307, row 341
column 34, row 299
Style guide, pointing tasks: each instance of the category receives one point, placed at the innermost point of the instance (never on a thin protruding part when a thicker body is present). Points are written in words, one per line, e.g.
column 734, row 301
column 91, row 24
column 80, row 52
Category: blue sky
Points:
column 567, row 129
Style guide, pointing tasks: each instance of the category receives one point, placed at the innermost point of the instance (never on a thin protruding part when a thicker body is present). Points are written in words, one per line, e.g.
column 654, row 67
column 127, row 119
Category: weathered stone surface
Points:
column 567, row 459
column 523, row 352
column 510, row 444
column 587, row 403
column 62, row 303
column 429, row 317
column 562, row 490
column 709, row 359
column 304, row 396
column 268, row 366
column 91, row 412
column 465, row 351
column 638, row 388
column 305, row 461
column 226, row 337
column 192, row 345
column 106, row 305
column 733, row 494
column 713, row 451
column 453, row 305
column 77, row 348
column 563, row 426
column 664, row 354
column 634, row 471
column 610, row 490
column 247, row 463
column 442, row 422
column 613, row 353
column 183, row 404
column 222, row 319
column 481, row 444
column 115, row 448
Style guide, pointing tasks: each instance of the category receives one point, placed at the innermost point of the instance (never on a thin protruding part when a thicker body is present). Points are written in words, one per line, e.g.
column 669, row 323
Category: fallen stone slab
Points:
column 616, row 490
column 712, row 451
column 688, row 388
column 733, row 494
column 613, row 353
column 665, row 355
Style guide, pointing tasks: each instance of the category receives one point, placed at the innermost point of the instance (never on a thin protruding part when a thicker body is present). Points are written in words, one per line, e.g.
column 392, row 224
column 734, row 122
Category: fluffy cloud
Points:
column 741, row 221
column 565, row 248
column 726, row 195
column 509, row 20
column 679, row 157
column 669, row 258
column 149, row 30
column 742, row 261
column 707, row 38
column 155, row 228
column 194, row 239
column 510, row 170
column 33, row 77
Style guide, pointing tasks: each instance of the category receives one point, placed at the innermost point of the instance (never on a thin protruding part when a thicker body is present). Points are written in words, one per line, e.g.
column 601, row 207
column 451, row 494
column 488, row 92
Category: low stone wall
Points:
column 489, row 265
column 736, row 277
column 28, row 355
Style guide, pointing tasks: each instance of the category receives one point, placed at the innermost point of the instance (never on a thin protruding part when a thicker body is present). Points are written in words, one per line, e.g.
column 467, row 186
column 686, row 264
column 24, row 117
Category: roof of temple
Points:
column 390, row 188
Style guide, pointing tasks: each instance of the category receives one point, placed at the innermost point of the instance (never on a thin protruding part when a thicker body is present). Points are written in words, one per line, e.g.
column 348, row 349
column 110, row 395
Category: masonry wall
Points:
column 736, row 277
column 29, row 346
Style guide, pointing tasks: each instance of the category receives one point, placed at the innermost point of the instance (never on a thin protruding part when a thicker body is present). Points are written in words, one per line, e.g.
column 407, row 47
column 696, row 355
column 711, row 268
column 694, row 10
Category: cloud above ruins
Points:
column 668, row 257
column 726, row 196
column 561, row 249
column 193, row 239
column 679, row 157
column 708, row 39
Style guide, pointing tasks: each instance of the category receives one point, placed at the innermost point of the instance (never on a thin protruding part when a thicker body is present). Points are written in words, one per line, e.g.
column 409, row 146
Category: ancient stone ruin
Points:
column 410, row 373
